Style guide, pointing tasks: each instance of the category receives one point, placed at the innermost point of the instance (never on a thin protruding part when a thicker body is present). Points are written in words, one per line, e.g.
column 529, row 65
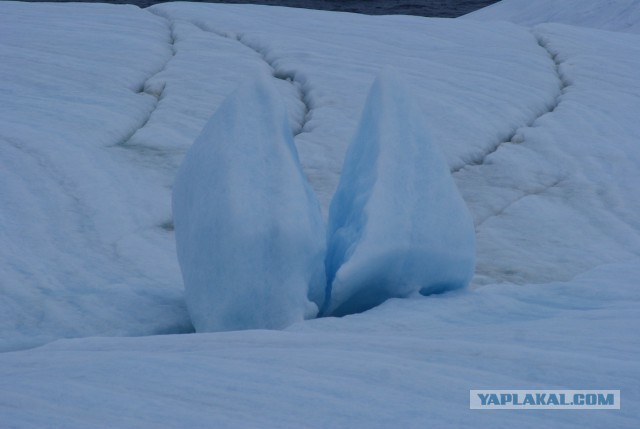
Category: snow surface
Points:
column 249, row 231
column 539, row 126
column 408, row 363
column 397, row 223
column 614, row 15
column 84, row 250
column 98, row 257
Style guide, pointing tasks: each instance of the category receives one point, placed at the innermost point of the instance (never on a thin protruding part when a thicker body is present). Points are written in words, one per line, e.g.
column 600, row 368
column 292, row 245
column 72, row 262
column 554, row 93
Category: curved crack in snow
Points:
column 526, row 194
column 515, row 136
column 146, row 89
column 290, row 77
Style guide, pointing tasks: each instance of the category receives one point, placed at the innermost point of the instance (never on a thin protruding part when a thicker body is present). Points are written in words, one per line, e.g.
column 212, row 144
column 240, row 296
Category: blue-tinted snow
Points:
column 397, row 223
column 476, row 82
column 82, row 249
column 249, row 231
column 115, row 117
column 539, row 126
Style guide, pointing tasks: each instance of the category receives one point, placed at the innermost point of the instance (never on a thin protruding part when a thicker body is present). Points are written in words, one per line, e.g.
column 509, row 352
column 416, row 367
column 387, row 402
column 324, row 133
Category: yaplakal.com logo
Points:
column 544, row 399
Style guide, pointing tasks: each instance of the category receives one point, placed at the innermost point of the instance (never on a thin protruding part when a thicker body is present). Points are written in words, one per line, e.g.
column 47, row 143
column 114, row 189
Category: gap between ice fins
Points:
column 251, row 242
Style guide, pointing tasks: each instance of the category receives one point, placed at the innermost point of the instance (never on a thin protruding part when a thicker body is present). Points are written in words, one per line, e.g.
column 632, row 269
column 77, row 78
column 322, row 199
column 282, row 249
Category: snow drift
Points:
column 397, row 223
column 249, row 231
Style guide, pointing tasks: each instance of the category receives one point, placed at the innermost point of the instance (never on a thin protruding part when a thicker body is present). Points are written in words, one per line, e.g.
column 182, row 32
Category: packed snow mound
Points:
column 249, row 232
column 397, row 223
column 620, row 15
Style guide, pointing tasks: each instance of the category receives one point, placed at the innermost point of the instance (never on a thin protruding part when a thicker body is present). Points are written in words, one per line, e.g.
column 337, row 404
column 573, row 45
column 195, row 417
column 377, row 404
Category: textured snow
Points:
column 118, row 117
column 554, row 200
column 249, row 232
column 614, row 15
column 83, row 247
column 408, row 363
column 539, row 126
column 397, row 223
column 332, row 59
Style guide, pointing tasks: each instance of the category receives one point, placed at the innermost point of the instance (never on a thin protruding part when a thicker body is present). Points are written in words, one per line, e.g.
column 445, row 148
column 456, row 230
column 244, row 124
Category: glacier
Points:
column 249, row 231
column 537, row 122
column 397, row 223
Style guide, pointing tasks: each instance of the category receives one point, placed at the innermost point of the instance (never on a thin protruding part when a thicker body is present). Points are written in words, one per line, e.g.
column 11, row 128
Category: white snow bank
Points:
column 617, row 15
column 249, row 230
column 397, row 223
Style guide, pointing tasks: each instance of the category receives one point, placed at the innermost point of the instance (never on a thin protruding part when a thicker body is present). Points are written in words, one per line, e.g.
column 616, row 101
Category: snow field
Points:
column 99, row 103
column 82, row 249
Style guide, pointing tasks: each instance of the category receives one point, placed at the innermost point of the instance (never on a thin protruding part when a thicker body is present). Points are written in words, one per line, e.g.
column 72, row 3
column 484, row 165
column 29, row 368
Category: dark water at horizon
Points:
column 433, row 8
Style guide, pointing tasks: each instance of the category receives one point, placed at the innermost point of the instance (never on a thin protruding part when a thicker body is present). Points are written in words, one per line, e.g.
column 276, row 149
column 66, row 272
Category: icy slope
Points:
column 614, row 15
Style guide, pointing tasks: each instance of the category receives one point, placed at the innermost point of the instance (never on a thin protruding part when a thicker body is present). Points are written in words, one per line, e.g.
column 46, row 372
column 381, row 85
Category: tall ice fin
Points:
column 397, row 223
column 249, row 230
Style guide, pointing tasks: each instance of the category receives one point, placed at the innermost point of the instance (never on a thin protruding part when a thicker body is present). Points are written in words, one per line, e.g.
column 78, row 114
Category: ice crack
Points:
column 290, row 77
column 527, row 193
column 147, row 89
column 515, row 137
column 287, row 76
